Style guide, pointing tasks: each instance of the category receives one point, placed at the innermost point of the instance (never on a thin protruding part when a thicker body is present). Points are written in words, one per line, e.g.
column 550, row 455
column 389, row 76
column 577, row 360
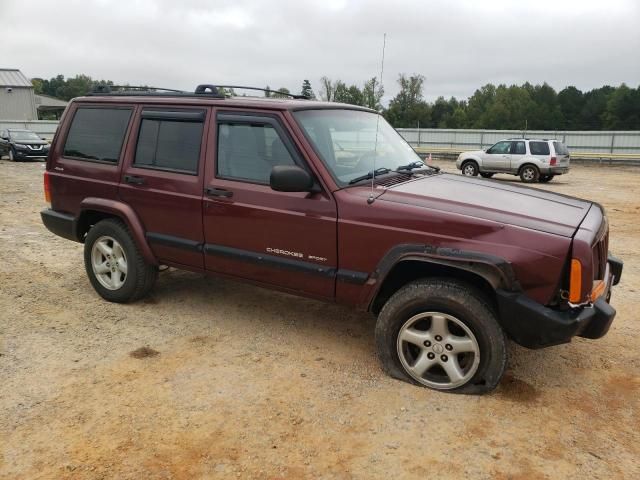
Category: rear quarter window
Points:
column 539, row 148
column 97, row 133
column 560, row 148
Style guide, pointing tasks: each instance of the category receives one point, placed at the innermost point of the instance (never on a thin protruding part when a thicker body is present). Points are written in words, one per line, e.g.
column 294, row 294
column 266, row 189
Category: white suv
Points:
column 533, row 160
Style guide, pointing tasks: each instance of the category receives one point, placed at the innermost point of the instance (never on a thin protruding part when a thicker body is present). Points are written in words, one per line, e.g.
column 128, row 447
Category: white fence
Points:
column 44, row 128
column 616, row 142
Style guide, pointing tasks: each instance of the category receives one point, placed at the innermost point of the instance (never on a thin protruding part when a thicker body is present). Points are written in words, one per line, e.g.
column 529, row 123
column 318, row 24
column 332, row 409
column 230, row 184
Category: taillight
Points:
column 575, row 281
column 553, row 161
column 47, row 188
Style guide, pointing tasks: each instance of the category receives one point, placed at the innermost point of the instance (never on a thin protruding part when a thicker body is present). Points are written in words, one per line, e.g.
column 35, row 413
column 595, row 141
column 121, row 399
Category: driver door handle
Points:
column 218, row 192
column 134, row 179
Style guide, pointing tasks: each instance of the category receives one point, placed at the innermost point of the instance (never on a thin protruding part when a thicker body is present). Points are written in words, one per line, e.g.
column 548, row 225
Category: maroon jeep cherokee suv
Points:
column 327, row 201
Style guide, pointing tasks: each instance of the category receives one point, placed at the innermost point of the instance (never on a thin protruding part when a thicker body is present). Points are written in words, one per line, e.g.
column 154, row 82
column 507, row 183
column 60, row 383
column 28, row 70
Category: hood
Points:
column 493, row 200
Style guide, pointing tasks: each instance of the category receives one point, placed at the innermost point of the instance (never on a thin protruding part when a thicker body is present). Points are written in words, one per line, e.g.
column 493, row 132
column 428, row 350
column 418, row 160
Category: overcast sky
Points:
column 457, row 45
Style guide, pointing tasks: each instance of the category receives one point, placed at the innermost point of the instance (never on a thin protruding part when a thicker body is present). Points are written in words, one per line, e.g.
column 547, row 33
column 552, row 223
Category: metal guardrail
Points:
column 590, row 142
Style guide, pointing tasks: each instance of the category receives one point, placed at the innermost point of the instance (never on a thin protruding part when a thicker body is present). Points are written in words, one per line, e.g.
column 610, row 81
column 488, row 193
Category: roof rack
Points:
column 266, row 90
column 136, row 90
column 208, row 90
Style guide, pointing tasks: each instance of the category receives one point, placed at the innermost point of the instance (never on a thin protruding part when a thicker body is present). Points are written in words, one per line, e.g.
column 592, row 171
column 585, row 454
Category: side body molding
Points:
column 124, row 212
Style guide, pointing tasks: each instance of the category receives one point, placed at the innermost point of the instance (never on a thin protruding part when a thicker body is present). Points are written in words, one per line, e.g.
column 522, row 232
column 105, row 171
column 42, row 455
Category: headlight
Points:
column 19, row 145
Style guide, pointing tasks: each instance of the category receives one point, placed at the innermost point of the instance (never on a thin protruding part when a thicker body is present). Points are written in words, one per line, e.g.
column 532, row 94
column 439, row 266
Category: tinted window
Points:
column 539, row 148
column 500, row 147
column 518, row 148
column 248, row 152
column 169, row 145
column 97, row 133
column 561, row 148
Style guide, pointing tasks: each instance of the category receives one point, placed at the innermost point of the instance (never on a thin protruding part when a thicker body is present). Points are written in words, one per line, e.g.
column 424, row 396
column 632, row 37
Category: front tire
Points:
column 12, row 155
column 441, row 334
column 529, row 174
column 114, row 265
column 486, row 174
column 469, row 168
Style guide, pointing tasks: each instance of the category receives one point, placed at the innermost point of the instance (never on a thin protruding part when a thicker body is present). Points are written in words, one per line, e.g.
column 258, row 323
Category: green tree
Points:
column 282, row 92
column 407, row 108
column 327, row 89
column 595, row 104
column 307, row 91
column 571, row 102
column 372, row 94
column 622, row 111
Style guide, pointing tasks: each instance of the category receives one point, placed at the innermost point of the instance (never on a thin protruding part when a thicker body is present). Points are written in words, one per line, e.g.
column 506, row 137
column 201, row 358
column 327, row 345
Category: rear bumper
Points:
column 61, row 224
column 554, row 170
column 535, row 326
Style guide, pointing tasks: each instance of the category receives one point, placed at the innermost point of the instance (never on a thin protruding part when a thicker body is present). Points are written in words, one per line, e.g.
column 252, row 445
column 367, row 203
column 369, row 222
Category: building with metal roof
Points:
column 18, row 100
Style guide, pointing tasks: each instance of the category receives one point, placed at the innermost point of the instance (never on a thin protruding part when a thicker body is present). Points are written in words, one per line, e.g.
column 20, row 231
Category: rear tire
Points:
column 115, row 267
column 529, row 174
column 469, row 168
column 441, row 334
column 486, row 174
column 546, row 178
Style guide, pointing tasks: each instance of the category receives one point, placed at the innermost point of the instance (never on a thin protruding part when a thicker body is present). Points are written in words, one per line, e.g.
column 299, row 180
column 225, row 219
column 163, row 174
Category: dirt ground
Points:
column 214, row 379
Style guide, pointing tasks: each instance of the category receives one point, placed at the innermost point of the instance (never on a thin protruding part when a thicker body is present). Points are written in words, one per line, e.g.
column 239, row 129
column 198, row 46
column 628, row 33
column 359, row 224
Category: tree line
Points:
column 514, row 107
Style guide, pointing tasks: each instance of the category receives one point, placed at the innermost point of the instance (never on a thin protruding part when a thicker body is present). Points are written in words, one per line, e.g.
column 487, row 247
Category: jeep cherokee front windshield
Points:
column 345, row 140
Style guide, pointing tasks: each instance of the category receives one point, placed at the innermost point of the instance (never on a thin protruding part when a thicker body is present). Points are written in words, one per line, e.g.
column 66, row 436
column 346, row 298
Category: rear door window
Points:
column 539, row 148
column 518, row 148
column 97, row 133
column 170, row 141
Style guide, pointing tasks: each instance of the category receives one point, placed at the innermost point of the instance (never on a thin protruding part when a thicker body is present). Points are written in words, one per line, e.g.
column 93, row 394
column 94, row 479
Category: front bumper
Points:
column 21, row 154
column 535, row 326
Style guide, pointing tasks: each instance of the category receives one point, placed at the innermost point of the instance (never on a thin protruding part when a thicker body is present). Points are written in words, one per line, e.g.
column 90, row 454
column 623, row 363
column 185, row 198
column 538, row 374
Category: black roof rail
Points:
column 136, row 90
column 277, row 92
column 215, row 91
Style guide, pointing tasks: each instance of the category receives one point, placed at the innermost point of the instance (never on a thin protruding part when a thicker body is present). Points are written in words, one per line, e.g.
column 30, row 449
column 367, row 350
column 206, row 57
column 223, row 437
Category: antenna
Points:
column 375, row 144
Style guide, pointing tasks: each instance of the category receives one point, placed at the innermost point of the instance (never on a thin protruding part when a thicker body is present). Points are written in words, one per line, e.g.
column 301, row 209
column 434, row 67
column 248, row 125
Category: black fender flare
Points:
column 496, row 271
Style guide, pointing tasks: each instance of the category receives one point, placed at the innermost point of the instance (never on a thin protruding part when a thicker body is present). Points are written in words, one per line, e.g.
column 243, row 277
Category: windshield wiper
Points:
column 411, row 166
column 417, row 164
column 371, row 174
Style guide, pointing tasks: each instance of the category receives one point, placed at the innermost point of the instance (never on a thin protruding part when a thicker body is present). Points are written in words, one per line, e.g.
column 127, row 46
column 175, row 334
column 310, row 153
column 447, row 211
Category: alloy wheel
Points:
column 469, row 170
column 438, row 350
column 109, row 262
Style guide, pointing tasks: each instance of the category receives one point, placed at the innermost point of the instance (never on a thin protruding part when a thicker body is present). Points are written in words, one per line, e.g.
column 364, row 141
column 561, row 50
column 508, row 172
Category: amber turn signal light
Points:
column 575, row 281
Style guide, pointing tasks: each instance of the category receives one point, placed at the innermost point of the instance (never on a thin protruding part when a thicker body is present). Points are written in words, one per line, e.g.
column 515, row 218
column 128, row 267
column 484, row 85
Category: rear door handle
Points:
column 218, row 192
column 135, row 180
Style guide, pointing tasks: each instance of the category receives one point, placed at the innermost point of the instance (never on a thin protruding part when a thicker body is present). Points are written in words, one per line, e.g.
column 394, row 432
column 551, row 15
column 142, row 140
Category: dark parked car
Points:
column 22, row 145
column 327, row 201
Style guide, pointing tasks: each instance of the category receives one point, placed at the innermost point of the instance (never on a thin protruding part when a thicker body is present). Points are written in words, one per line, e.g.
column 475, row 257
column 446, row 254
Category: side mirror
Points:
column 290, row 178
